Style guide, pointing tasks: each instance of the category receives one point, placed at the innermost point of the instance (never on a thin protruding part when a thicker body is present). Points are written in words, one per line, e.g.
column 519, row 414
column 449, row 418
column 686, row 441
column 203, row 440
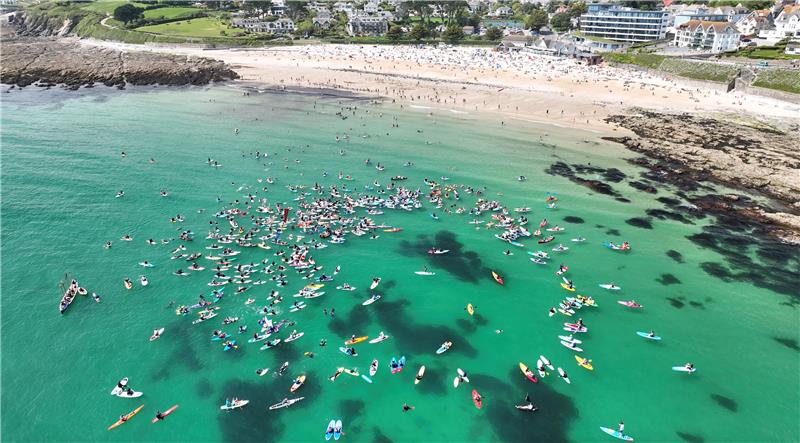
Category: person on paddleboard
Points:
column 621, row 428
column 159, row 415
column 580, row 323
column 651, row 333
column 407, row 408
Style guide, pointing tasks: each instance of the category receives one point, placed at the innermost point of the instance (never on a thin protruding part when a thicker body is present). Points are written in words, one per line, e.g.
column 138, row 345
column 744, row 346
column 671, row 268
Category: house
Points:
column 792, row 48
column 322, row 22
column 503, row 11
column 367, row 25
column 699, row 13
column 279, row 27
column 371, row 7
column 787, row 23
column 710, row 36
column 754, row 22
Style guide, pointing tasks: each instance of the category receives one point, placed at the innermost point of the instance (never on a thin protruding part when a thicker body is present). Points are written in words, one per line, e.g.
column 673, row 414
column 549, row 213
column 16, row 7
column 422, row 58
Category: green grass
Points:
column 198, row 27
column 651, row 61
column 170, row 13
column 106, row 6
column 787, row 80
column 699, row 70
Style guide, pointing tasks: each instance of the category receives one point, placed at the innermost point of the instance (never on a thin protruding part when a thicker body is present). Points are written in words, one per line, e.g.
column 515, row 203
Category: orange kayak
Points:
column 126, row 417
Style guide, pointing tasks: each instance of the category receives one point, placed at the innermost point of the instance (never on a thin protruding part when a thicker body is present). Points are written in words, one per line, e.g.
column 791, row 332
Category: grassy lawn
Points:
column 786, row 80
column 198, row 27
column 170, row 13
column 106, row 6
column 652, row 61
column 698, row 70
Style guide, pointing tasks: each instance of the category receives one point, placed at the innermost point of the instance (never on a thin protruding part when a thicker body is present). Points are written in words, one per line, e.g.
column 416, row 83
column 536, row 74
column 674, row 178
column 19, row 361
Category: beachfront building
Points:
column 613, row 22
column 787, row 23
column 707, row 36
column 367, row 25
column 792, row 48
column 698, row 13
column 281, row 26
column 754, row 22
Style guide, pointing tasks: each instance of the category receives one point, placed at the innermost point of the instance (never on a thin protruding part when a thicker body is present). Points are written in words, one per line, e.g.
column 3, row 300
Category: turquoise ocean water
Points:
column 61, row 167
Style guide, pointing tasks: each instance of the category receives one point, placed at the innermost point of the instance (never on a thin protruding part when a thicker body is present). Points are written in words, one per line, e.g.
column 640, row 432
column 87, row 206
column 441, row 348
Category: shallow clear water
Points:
column 61, row 167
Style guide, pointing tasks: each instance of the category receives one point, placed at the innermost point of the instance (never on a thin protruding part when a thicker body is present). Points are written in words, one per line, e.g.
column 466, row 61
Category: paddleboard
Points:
column 527, row 372
column 456, row 381
column 374, row 284
column 683, row 369
column 293, row 338
column 298, row 382
column 616, row 434
column 463, row 375
column 133, row 394
column 424, row 273
column 337, row 433
column 238, row 405
column 420, row 374
column 329, row 429
column 122, row 383
column 566, row 286
column 371, row 300
column 563, row 375
column 164, row 414
column 610, row 287
column 470, row 309
column 546, row 362
column 568, row 339
column 367, row 379
column 373, row 368
column 379, row 339
column 569, row 345
column 540, row 368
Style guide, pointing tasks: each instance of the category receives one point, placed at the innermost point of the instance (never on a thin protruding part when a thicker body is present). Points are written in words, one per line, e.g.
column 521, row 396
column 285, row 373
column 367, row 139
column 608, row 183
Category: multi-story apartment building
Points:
column 707, row 36
column 614, row 22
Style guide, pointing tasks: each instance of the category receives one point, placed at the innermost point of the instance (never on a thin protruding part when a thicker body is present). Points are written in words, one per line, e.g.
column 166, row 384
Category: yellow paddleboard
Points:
column 566, row 286
column 356, row 340
column 587, row 365
column 470, row 309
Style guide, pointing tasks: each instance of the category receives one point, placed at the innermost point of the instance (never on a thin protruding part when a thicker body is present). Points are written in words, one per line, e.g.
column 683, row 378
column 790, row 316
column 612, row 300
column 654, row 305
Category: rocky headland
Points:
column 686, row 150
column 48, row 62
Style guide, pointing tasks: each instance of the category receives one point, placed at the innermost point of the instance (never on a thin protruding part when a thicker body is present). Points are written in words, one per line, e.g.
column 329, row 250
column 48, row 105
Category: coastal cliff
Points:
column 685, row 148
column 49, row 62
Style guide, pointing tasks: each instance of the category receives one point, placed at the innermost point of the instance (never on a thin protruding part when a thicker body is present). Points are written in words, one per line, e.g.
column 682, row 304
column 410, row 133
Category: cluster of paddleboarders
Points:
column 322, row 216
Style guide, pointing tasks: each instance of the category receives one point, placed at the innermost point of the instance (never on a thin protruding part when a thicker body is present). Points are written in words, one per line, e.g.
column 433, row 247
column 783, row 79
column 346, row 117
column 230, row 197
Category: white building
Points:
column 367, row 25
column 280, row 26
column 787, row 23
column 753, row 22
column 708, row 36
column 617, row 23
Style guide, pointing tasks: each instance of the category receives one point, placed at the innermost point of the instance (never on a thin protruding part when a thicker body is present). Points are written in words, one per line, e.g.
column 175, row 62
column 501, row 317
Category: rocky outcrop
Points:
column 687, row 150
column 49, row 62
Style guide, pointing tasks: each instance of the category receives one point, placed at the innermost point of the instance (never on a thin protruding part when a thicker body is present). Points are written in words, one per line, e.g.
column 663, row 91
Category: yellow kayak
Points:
column 585, row 363
column 356, row 340
column 127, row 417
column 314, row 286
column 470, row 309
column 566, row 286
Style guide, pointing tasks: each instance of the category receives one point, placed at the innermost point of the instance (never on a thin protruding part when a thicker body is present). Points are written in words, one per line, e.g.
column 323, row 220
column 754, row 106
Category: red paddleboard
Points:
column 497, row 278
column 476, row 398
column 165, row 413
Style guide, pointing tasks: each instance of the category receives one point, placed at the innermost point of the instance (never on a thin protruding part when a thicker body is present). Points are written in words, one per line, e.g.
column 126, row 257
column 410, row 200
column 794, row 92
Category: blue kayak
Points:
column 647, row 335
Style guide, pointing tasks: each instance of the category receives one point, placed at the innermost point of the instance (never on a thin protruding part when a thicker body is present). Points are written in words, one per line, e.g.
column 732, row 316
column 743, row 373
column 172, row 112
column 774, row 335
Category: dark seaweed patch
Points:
column 357, row 319
column 788, row 342
column 614, row 175
column 675, row 255
column 183, row 354
column 669, row 201
column 675, row 303
column 550, row 423
column 613, row 232
column 696, row 304
column 726, row 402
column 639, row 222
column 691, row 438
column 564, row 170
column 573, row 219
column 351, row 408
column 668, row 279
column 642, row 186
column 462, row 264
column 379, row 437
column 435, row 381
column 203, row 388
column 668, row 215
column 466, row 325
column 622, row 200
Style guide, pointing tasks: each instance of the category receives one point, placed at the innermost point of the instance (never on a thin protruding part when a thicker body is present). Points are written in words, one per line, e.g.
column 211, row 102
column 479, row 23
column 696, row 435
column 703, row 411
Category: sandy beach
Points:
column 514, row 85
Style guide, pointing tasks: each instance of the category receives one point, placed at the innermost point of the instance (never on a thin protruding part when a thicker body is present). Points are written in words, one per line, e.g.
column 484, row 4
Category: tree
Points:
column 561, row 22
column 418, row 32
column 395, row 32
column 493, row 33
column 537, row 20
column 305, row 28
column 576, row 9
column 453, row 33
column 127, row 13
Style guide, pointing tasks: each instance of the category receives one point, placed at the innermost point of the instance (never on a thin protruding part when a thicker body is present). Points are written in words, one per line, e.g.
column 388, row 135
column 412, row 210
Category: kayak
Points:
column 563, row 375
column 298, row 382
column 420, row 374
column 127, row 417
column 585, row 363
column 230, row 345
column 527, row 372
column 337, row 430
column 610, row 286
column 156, row 334
column 630, row 304
column 647, row 335
column 683, row 369
column 546, row 362
column 470, row 309
column 566, row 286
column 497, row 278
column 356, row 340
column 476, row 398
column 616, row 434
column 164, row 414
column 571, row 346
column 329, row 429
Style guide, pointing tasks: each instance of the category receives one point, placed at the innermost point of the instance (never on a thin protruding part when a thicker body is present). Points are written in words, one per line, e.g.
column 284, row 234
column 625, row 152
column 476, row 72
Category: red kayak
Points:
column 497, row 278
column 476, row 398
column 546, row 240
column 164, row 414
column 630, row 304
